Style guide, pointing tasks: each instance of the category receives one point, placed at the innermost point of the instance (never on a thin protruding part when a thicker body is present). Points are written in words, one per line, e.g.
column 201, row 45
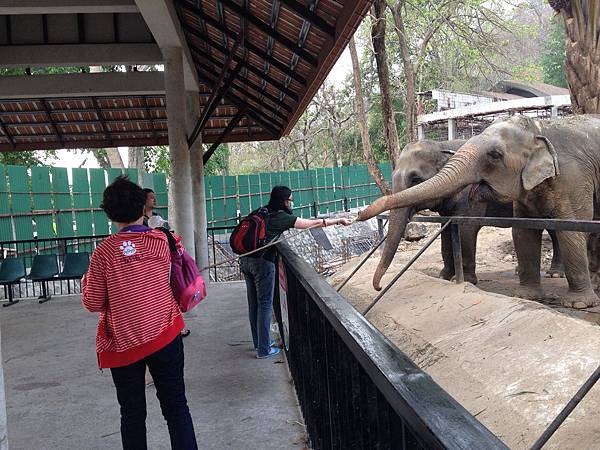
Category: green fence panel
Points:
column 42, row 202
column 294, row 185
column 244, row 192
column 352, row 183
column 6, row 230
column 113, row 173
column 97, row 186
column 284, row 179
column 231, row 205
column 265, row 188
column 275, row 179
column 148, row 181
column 386, row 170
column 321, row 190
column 329, row 191
column 133, row 175
column 305, row 199
column 159, row 181
column 20, row 201
column 255, row 195
column 209, row 202
column 339, row 192
column 62, row 202
column 82, row 201
column 218, row 193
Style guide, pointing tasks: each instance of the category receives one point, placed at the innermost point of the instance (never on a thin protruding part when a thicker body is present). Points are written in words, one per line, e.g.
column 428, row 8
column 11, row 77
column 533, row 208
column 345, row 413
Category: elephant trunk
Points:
column 459, row 171
column 399, row 218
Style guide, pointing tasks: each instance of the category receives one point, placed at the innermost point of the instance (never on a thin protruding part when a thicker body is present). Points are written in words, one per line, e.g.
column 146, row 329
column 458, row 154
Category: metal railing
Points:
column 355, row 388
column 27, row 249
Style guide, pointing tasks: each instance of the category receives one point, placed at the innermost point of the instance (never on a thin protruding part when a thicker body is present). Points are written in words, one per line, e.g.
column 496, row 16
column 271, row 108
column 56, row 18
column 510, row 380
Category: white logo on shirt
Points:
column 128, row 248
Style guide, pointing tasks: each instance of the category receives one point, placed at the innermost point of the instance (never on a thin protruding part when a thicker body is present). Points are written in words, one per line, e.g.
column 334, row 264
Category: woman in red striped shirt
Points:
column 140, row 321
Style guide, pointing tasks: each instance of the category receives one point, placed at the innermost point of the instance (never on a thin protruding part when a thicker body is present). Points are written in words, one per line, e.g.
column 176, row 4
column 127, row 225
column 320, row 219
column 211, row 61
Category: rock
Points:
column 507, row 258
column 418, row 230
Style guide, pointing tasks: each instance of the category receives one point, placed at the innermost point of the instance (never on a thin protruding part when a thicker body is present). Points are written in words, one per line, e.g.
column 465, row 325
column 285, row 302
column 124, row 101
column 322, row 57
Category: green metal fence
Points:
column 55, row 201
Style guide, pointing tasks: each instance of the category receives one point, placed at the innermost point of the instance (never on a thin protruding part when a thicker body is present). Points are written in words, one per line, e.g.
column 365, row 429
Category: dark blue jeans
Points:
column 166, row 368
column 259, row 274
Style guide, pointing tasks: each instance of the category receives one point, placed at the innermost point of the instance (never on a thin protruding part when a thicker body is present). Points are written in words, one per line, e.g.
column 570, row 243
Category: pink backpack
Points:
column 186, row 282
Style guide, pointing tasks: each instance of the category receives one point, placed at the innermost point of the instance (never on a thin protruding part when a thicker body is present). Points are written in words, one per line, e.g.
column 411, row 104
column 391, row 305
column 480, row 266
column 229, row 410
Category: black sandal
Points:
column 185, row 332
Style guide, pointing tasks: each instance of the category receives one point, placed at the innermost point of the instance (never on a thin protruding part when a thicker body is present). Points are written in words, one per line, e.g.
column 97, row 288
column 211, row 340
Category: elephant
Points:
column 419, row 161
column 547, row 169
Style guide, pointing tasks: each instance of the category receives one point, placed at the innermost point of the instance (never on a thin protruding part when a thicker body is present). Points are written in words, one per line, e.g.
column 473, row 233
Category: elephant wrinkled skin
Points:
column 421, row 161
column 547, row 168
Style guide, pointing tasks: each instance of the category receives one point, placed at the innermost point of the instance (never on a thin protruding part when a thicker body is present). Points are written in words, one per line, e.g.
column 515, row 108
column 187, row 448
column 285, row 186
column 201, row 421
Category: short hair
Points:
column 279, row 195
column 147, row 190
column 123, row 201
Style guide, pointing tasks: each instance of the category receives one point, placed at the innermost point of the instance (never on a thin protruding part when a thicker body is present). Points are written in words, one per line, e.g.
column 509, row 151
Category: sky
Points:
column 73, row 158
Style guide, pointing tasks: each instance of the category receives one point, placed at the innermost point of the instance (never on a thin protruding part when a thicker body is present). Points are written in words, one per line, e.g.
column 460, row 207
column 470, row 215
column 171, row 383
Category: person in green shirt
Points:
column 259, row 268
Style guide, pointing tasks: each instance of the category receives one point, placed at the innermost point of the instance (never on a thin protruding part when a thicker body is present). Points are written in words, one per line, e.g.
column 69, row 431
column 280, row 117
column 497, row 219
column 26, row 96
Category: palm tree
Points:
column 582, row 24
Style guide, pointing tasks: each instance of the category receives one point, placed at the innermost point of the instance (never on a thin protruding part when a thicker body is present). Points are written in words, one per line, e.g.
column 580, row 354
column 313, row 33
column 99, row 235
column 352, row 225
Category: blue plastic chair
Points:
column 43, row 269
column 74, row 268
column 12, row 271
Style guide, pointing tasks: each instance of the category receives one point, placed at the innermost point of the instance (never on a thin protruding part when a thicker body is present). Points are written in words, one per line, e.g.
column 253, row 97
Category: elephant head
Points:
column 419, row 161
column 509, row 158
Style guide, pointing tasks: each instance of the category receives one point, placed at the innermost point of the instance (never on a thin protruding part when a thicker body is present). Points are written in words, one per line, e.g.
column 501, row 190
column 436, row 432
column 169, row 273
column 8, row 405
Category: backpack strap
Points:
column 170, row 238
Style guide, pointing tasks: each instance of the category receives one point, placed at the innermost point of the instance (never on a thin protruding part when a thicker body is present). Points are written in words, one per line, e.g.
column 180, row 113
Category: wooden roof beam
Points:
column 14, row 7
column 263, row 27
column 310, row 16
column 226, row 131
column 247, row 44
column 248, row 83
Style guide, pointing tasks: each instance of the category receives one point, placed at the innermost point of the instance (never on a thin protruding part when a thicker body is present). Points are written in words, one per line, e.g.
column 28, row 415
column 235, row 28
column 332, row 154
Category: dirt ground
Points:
column 513, row 363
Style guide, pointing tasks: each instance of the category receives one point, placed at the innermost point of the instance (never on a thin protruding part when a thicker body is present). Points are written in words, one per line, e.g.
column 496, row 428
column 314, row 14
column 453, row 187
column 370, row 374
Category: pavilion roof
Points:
column 257, row 65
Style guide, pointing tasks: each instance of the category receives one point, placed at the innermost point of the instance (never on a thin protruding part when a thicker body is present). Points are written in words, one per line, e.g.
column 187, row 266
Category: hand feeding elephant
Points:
column 418, row 162
column 548, row 169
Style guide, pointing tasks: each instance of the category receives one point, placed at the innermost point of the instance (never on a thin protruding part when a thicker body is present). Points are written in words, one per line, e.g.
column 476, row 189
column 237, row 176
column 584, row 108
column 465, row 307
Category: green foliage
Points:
column 29, row 159
column 554, row 54
column 158, row 160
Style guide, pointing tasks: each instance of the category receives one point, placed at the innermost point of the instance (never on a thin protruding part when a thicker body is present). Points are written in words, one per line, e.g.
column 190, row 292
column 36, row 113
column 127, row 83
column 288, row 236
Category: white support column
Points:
column 181, row 180
column 451, row 129
column 3, row 422
column 420, row 134
column 198, row 192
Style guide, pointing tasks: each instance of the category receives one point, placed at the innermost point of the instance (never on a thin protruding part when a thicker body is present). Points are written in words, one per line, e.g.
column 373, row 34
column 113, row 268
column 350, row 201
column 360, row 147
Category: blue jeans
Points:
column 166, row 368
column 259, row 274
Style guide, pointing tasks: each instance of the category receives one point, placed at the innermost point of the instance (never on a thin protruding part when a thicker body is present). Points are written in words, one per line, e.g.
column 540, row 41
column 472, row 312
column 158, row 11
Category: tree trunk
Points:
column 136, row 161
column 363, row 126
column 409, row 74
column 582, row 21
column 381, row 58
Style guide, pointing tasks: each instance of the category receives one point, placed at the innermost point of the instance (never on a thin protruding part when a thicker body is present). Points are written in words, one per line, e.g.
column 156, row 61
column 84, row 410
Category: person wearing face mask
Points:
column 259, row 268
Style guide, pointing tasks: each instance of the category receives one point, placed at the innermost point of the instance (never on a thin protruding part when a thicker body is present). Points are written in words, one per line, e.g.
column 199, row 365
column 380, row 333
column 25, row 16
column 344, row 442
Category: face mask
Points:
column 291, row 205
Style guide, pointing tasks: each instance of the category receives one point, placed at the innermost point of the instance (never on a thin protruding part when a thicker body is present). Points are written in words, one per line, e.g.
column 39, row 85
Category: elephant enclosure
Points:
column 513, row 363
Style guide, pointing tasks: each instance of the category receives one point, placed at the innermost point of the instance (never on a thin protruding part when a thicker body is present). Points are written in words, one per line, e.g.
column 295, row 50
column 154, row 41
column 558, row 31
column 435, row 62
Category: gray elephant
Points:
column 548, row 169
column 421, row 161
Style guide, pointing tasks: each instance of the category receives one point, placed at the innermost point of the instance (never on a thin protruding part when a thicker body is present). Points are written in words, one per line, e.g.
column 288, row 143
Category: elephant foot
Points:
column 471, row 278
column 555, row 271
column 531, row 292
column 581, row 300
column 446, row 273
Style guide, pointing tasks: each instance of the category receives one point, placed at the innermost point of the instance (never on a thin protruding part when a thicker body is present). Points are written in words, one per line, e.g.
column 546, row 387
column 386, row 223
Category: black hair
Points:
column 123, row 201
column 148, row 190
column 279, row 195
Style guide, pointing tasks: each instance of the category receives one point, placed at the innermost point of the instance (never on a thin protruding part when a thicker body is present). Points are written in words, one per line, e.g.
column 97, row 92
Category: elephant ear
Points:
column 542, row 164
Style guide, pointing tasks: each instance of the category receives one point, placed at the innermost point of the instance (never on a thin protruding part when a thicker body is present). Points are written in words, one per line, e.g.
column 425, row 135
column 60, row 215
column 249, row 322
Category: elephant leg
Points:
column 557, row 270
column 468, row 238
column 573, row 250
column 528, row 245
column 448, row 271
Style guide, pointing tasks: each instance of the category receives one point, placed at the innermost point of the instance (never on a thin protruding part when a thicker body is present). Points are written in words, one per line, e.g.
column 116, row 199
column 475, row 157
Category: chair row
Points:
column 44, row 268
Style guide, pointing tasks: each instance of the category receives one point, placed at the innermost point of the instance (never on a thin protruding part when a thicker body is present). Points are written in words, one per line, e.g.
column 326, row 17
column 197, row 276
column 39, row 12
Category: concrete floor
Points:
column 57, row 398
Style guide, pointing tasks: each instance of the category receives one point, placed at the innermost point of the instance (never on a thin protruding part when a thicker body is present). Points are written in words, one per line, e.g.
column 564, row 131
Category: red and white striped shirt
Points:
column 128, row 284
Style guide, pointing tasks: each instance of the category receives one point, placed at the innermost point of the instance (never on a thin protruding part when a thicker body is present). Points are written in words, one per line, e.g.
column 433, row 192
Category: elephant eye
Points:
column 495, row 154
column 416, row 180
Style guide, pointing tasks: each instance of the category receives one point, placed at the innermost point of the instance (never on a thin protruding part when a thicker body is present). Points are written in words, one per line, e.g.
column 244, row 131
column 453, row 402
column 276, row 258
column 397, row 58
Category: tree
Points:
column 29, row 159
column 157, row 160
column 362, row 124
column 553, row 57
column 379, row 48
column 582, row 22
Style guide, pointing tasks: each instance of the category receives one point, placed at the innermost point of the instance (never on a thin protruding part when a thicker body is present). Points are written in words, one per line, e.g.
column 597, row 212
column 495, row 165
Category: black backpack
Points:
column 250, row 233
